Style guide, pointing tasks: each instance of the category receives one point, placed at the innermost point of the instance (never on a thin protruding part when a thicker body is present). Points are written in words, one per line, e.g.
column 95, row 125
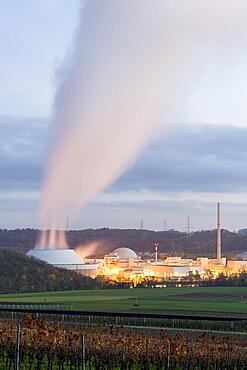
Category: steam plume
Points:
column 128, row 69
column 88, row 249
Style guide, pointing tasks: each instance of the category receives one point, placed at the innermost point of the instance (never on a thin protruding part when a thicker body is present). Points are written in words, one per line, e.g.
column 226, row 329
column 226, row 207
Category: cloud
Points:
column 196, row 158
column 183, row 172
column 21, row 153
column 191, row 158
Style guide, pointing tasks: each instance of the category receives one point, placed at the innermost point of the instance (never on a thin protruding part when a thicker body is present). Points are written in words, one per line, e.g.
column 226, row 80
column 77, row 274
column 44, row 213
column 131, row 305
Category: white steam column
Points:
column 218, row 243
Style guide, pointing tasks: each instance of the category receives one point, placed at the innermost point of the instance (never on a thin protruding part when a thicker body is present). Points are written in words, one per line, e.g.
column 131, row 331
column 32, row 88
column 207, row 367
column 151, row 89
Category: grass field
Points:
column 225, row 299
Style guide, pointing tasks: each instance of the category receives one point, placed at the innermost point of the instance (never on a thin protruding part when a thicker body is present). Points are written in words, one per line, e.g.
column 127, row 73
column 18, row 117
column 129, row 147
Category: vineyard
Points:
column 37, row 344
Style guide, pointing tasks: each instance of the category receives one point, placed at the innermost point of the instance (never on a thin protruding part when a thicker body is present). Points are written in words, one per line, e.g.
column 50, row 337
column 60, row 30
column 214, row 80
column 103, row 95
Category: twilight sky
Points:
column 200, row 160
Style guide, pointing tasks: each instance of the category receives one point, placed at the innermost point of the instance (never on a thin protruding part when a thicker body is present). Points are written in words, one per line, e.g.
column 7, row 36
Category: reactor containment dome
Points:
column 124, row 253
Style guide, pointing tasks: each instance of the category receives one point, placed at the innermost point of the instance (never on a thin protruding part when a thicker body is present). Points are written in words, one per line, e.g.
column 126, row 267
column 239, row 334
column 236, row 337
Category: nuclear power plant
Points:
column 124, row 264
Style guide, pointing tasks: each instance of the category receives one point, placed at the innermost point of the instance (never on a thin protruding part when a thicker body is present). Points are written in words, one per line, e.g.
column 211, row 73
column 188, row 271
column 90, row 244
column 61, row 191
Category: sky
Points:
column 184, row 171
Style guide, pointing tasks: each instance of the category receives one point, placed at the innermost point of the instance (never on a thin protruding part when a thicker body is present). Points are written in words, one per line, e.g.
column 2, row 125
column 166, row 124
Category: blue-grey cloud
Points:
column 199, row 158
column 21, row 153
column 202, row 158
column 196, row 158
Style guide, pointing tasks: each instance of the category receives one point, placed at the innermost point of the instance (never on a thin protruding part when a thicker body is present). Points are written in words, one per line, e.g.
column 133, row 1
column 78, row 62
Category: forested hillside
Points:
column 19, row 273
column 171, row 242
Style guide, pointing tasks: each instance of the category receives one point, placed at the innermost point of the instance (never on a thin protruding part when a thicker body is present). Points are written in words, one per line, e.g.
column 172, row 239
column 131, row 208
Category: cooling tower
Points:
column 64, row 258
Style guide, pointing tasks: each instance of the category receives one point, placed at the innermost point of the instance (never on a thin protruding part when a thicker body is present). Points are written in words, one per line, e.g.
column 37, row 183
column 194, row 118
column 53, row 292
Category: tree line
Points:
column 199, row 243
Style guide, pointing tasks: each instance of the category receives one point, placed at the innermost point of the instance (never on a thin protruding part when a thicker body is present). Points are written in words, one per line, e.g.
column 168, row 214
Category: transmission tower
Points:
column 188, row 226
column 165, row 224
column 141, row 224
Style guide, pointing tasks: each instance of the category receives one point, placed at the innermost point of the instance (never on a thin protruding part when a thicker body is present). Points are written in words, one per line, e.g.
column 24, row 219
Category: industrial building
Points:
column 123, row 263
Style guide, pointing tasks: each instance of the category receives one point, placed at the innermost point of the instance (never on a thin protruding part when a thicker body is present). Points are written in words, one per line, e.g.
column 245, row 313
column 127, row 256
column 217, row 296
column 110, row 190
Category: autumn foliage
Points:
column 48, row 346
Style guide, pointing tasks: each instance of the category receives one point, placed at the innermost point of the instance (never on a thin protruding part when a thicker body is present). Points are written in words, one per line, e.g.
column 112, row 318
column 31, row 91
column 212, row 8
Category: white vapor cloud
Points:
column 132, row 65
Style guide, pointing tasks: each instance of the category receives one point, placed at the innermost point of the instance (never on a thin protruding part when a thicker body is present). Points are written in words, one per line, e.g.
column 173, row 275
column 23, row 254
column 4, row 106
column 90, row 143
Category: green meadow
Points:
column 216, row 299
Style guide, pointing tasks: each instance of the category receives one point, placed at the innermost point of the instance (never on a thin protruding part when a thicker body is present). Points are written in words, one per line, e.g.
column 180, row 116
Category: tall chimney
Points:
column 218, row 243
column 156, row 251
